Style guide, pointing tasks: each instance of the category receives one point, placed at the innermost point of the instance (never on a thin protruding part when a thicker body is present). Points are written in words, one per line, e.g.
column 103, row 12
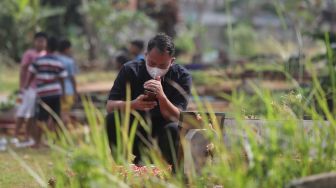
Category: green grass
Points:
column 96, row 76
column 281, row 155
column 284, row 152
column 83, row 160
column 9, row 79
column 204, row 78
column 13, row 175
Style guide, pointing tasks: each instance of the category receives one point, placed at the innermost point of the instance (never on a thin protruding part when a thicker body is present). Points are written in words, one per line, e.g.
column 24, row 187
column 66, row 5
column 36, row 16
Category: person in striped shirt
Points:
column 49, row 73
column 25, row 114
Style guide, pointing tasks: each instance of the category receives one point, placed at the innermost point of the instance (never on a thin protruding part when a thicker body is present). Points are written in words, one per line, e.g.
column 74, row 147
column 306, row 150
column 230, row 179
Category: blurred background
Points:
column 252, row 59
column 224, row 43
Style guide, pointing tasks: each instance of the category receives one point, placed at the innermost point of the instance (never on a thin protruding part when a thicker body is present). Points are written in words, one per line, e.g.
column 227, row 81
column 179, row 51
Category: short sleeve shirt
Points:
column 71, row 68
column 48, row 69
column 28, row 58
column 176, row 85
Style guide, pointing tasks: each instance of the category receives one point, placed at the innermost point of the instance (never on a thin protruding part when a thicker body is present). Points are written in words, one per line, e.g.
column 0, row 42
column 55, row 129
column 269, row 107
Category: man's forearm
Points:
column 30, row 79
column 62, row 86
column 22, row 81
column 74, row 84
column 115, row 105
column 169, row 110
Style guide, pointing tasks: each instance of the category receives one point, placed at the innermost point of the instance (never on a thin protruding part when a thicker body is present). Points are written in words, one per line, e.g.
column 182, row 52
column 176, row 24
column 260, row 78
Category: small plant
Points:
column 9, row 103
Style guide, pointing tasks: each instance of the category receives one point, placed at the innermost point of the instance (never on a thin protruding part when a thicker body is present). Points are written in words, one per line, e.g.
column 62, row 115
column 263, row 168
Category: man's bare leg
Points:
column 38, row 131
column 30, row 129
column 19, row 124
column 66, row 118
column 53, row 128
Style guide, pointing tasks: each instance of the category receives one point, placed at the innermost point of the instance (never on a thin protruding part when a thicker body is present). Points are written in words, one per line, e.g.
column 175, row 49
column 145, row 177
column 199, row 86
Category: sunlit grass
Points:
column 96, row 76
column 9, row 79
column 272, row 155
column 12, row 173
column 269, row 156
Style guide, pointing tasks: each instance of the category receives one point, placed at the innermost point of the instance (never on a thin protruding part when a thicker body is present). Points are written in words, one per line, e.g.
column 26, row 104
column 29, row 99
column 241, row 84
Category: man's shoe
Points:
column 28, row 143
column 14, row 141
column 3, row 147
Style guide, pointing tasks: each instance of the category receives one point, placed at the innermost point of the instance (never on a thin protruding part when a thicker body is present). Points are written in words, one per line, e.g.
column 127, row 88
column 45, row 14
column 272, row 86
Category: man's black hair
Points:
column 163, row 43
column 63, row 45
column 138, row 43
column 52, row 45
column 122, row 59
column 40, row 35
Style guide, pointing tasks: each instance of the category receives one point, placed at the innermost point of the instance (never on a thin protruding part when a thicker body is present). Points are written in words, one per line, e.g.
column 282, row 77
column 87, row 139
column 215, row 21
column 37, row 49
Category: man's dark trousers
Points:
column 166, row 134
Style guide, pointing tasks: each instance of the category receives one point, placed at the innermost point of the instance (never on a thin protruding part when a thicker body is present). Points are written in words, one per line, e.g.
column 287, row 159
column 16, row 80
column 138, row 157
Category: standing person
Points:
column 48, row 72
column 70, row 81
column 121, row 60
column 136, row 48
column 26, row 110
column 170, row 84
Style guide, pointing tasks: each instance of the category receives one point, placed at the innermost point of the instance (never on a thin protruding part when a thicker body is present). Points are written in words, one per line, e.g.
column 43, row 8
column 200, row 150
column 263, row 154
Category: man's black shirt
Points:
column 135, row 73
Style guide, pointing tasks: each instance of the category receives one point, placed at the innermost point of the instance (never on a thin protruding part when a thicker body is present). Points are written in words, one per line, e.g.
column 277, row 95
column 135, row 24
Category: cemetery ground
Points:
column 273, row 164
column 14, row 175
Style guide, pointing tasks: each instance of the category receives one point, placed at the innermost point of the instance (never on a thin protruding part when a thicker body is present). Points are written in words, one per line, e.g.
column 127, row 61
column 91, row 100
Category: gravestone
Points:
column 197, row 141
column 196, row 153
column 325, row 180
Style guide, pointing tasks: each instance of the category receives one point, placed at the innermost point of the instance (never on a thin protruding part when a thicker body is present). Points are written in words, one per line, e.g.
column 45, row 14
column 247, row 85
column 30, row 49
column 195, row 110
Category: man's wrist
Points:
column 133, row 104
column 162, row 97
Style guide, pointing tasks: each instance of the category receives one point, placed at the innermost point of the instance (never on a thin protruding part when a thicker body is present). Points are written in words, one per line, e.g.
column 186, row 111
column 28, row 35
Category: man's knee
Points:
column 172, row 131
column 173, row 126
column 110, row 127
column 110, row 119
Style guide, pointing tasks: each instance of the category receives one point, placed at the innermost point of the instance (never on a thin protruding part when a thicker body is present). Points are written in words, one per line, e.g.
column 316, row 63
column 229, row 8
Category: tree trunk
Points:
column 90, row 33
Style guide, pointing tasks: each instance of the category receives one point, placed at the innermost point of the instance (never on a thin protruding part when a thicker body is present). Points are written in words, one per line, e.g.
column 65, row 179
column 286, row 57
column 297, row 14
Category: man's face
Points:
column 155, row 58
column 40, row 43
column 68, row 51
column 133, row 49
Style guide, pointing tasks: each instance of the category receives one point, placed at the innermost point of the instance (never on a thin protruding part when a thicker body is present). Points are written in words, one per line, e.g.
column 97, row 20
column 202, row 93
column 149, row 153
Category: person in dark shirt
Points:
column 170, row 84
column 135, row 49
column 121, row 60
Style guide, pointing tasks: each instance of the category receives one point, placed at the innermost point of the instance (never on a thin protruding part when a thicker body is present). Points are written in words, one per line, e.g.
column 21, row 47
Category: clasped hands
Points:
column 153, row 85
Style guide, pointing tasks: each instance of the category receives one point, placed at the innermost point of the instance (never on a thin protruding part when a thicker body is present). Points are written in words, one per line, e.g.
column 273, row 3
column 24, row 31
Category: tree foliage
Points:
column 19, row 21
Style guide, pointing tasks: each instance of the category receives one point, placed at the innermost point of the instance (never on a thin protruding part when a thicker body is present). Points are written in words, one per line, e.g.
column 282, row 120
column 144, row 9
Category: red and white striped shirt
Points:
column 48, row 70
